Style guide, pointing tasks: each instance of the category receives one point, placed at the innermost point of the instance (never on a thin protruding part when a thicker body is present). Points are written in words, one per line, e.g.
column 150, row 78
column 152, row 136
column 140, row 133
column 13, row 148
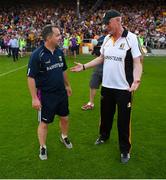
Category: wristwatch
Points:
column 83, row 67
column 137, row 81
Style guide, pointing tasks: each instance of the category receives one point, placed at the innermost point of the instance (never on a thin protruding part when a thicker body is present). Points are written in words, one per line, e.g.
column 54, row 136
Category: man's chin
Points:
column 56, row 45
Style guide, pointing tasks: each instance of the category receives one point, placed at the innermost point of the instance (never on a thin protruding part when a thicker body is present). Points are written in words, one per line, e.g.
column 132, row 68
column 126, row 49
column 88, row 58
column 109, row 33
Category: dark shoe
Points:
column 99, row 141
column 43, row 153
column 66, row 142
column 125, row 157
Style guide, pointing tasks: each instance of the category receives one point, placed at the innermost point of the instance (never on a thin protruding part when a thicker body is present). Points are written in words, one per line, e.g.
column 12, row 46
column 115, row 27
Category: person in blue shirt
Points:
column 14, row 44
column 49, row 86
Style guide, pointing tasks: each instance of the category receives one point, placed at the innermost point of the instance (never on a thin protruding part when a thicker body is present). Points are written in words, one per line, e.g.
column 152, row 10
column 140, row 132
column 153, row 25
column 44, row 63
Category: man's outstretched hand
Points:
column 77, row 68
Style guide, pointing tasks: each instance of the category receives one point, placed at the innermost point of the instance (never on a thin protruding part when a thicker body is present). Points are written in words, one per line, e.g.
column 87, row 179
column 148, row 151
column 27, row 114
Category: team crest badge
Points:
column 122, row 46
column 60, row 58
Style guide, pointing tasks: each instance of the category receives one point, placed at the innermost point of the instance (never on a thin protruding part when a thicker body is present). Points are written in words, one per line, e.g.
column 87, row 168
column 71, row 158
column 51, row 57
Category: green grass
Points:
column 18, row 124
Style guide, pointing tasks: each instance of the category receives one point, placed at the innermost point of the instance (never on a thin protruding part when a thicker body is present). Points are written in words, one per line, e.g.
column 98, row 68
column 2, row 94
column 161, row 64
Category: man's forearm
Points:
column 32, row 87
column 94, row 62
column 137, row 73
column 66, row 81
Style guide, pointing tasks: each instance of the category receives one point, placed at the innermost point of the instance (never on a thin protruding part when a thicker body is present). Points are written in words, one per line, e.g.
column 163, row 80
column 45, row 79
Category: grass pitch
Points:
column 18, row 138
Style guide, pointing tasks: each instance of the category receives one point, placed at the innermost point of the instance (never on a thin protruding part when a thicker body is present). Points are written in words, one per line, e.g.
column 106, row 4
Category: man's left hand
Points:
column 69, row 91
column 134, row 86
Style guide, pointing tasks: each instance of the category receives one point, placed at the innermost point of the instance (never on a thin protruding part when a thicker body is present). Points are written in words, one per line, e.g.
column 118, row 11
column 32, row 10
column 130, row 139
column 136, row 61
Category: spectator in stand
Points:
column 73, row 45
column 22, row 45
column 78, row 37
column 32, row 17
column 14, row 44
column 66, row 44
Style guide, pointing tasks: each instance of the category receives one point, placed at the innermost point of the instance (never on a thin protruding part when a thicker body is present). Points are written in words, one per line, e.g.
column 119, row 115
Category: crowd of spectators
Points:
column 26, row 20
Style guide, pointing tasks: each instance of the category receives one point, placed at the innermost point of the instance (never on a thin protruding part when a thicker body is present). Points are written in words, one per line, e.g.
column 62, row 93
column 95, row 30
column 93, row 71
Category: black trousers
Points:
column 15, row 53
column 78, row 49
column 110, row 98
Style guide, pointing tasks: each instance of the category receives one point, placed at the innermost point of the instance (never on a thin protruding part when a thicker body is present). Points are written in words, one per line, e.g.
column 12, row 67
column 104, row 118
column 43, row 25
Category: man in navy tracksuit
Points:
column 49, row 86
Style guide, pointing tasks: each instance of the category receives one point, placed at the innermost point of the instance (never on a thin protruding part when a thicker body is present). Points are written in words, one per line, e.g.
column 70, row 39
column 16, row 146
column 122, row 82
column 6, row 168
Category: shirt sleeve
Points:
column 135, row 51
column 33, row 66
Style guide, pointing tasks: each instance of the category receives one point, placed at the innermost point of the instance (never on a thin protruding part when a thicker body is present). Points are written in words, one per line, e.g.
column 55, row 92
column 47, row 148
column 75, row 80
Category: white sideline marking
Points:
column 14, row 70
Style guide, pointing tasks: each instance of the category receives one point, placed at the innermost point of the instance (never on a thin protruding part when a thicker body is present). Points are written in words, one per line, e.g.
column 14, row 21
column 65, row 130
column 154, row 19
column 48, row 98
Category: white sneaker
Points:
column 66, row 142
column 43, row 153
column 125, row 157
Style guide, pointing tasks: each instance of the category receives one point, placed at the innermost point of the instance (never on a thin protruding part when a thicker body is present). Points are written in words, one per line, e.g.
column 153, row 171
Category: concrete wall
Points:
column 159, row 52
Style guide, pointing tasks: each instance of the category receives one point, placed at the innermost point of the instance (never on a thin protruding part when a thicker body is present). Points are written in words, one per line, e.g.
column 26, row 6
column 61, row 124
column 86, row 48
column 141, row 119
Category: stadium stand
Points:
column 25, row 20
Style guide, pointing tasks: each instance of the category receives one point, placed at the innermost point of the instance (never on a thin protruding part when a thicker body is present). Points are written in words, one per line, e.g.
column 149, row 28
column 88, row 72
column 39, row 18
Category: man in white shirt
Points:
column 14, row 44
column 122, row 72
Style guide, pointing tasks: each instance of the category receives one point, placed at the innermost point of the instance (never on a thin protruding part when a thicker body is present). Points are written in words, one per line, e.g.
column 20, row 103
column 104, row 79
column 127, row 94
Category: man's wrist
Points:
column 68, row 86
column 35, row 98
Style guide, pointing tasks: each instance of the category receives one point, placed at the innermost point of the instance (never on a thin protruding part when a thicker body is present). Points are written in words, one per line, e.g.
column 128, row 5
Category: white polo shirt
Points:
column 118, row 60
